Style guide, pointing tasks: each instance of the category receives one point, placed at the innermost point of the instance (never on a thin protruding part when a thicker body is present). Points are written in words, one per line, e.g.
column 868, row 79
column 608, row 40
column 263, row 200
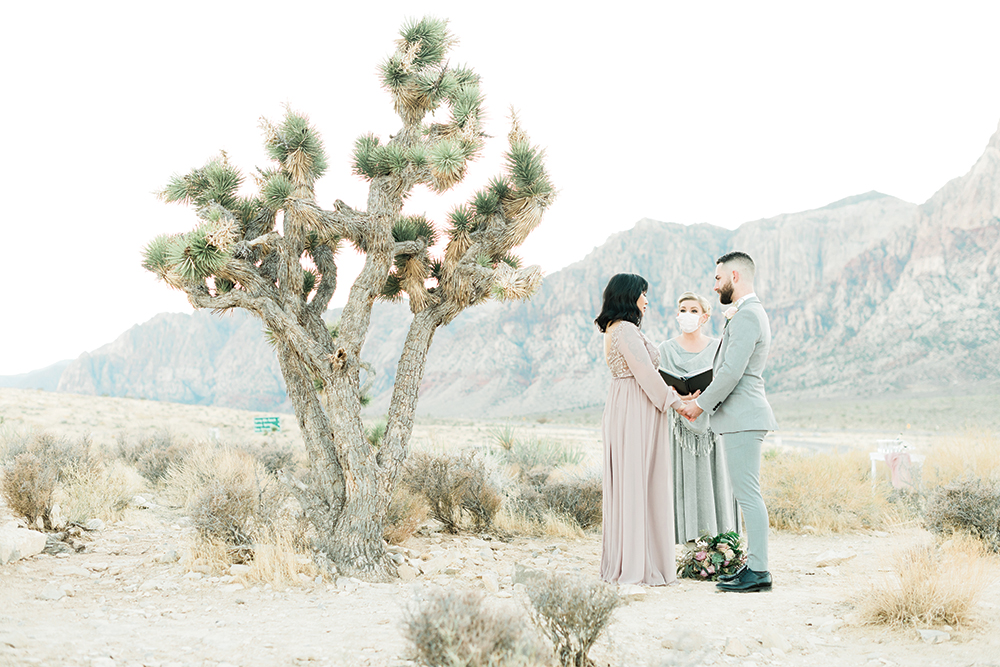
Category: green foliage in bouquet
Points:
column 711, row 557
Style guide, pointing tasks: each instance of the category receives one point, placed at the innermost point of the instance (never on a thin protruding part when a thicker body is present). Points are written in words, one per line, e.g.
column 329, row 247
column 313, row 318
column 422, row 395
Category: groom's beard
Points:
column 726, row 294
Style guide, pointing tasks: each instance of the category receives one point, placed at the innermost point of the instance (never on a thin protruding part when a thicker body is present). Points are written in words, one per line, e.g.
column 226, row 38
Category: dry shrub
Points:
column 515, row 519
column 579, row 498
column 952, row 458
column 101, row 491
column 968, row 505
column 153, row 455
column 272, row 456
column 459, row 629
column 452, row 484
column 830, row 492
column 233, row 500
column 526, row 455
column 930, row 585
column 28, row 488
column 572, row 612
column 404, row 515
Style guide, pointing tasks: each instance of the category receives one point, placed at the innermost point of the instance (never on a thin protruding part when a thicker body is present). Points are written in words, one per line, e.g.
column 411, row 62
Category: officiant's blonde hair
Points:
column 706, row 307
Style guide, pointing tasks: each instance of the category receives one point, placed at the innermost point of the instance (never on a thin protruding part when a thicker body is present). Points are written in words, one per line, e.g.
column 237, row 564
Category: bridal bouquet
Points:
column 710, row 557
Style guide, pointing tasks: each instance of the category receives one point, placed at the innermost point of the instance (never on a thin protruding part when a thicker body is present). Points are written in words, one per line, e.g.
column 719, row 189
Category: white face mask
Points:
column 689, row 322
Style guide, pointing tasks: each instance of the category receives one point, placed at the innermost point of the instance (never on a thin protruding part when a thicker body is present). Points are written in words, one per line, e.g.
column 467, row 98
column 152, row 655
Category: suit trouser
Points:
column 743, row 461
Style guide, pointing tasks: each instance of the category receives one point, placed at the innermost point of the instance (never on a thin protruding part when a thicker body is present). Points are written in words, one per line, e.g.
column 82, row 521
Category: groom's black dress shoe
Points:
column 734, row 575
column 747, row 580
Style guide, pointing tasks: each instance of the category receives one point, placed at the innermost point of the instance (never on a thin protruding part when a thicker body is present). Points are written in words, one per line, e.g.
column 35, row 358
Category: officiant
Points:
column 703, row 496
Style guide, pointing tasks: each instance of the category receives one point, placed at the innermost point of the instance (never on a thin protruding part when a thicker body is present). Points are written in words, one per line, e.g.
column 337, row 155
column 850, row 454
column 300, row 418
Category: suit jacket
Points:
column 735, row 399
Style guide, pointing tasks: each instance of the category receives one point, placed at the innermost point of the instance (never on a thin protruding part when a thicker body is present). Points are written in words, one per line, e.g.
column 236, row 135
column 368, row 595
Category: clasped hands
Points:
column 689, row 409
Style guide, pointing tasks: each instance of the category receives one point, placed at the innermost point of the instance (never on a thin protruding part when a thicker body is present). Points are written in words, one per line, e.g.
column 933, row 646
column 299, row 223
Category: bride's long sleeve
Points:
column 634, row 351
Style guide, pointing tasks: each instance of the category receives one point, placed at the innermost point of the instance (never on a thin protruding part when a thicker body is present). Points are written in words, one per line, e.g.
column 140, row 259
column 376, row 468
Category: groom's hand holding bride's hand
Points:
column 690, row 409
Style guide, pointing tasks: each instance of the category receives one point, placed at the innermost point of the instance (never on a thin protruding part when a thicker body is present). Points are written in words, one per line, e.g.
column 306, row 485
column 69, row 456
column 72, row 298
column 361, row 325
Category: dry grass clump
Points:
column 405, row 513
column 572, row 612
column 829, row 492
column 453, row 484
column 969, row 505
column 36, row 466
column 952, row 458
column 233, row 500
column 153, row 455
column 453, row 628
column 930, row 585
column 28, row 487
column 534, row 453
column 102, row 491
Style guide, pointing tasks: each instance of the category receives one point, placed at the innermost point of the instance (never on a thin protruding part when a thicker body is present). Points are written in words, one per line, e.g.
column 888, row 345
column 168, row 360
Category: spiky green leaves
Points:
column 466, row 104
column 372, row 160
column 392, row 290
column 526, row 165
column 429, row 37
column 276, row 191
column 298, row 147
column 154, row 255
column 309, row 280
column 411, row 228
column 216, row 182
column 193, row 257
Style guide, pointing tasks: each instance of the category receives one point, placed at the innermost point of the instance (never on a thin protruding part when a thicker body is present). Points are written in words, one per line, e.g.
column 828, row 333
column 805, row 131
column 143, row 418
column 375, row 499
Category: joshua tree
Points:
column 274, row 255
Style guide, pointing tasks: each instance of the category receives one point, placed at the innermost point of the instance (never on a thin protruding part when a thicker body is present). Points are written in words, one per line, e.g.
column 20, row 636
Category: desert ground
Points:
column 131, row 597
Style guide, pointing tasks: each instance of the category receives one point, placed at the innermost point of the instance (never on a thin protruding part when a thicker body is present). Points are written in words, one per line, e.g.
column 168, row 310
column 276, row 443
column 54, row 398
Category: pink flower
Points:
column 704, row 574
column 730, row 312
column 725, row 563
column 701, row 555
column 711, row 569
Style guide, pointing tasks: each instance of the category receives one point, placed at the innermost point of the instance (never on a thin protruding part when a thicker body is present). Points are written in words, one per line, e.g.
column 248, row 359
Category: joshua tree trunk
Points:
column 236, row 258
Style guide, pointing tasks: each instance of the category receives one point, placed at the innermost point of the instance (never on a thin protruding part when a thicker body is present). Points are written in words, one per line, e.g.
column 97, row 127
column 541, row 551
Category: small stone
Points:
column 231, row 588
column 17, row 543
column 140, row 502
column 452, row 571
column 150, row 585
column 71, row 571
column 431, row 567
column 406, row 573
column 486, row 554
column 934, row 636
column 237, row 569
column 735, row 648
column 833, row 557
column 397, row 558
column 52, row 592
column 56, row 519
column 832, row 625
column 94, row 524
column 520, row 589
column 169, row 556
column 193, row 576
column 96, row 567
column 305, row 579
column 632, row 592
column 491, row 581
column 773, row 639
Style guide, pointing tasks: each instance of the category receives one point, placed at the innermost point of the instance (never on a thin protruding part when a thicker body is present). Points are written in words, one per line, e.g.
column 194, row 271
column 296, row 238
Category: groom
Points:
column 740, row 413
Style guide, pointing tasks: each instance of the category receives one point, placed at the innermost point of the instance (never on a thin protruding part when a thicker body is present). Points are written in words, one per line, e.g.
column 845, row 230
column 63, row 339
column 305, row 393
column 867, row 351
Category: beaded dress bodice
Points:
column 616, row 360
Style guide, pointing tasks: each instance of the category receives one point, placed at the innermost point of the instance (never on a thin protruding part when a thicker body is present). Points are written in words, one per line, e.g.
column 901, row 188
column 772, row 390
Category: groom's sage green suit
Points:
column 739, row 413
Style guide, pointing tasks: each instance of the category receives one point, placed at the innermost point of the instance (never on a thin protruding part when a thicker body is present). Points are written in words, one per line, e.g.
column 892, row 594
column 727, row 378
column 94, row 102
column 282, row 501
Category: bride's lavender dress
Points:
column 638, row 540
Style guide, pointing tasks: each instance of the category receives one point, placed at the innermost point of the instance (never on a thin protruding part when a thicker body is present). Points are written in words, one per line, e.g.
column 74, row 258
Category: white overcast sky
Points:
column 687, row 112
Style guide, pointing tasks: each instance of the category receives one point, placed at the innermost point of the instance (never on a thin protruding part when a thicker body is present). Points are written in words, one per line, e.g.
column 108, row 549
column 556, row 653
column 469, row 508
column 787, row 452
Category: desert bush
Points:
column 154, row 454
column 830, row 492
column 452, row 628
column 452, row 484
column 28, row 487
column 406, row 512
column 929, row 585
column 233, row 500
column 572, row 612
column 272, row 456
column 953, row 458
column 534, row 453
column 98, row 491
column 968, row 505
column 579, row 498
column 517, row 518
column 503, row 436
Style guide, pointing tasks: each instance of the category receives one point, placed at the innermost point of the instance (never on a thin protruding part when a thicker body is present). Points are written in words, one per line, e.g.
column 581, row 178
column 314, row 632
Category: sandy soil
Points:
column 125, row 606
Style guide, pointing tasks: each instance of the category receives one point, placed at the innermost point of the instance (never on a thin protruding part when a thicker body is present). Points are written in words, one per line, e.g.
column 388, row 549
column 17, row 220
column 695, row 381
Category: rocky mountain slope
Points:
column 868, row 294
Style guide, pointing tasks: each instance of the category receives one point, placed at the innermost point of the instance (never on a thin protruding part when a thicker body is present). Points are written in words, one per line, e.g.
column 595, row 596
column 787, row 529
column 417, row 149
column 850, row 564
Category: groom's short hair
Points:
column 741, row 261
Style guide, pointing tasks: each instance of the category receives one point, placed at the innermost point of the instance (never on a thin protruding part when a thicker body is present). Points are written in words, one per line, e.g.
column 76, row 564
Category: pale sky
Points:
column 686, row 112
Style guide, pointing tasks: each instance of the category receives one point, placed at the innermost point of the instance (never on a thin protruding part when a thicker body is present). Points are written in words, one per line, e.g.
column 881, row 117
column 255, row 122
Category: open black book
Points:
column 690, row 383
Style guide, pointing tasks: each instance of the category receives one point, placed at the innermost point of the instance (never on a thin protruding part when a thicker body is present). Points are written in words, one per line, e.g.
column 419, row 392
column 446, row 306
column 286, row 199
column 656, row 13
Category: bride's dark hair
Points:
column 623, row 290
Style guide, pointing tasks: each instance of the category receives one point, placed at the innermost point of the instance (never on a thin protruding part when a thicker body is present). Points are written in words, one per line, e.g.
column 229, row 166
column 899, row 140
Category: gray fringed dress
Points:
column 703, row 495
